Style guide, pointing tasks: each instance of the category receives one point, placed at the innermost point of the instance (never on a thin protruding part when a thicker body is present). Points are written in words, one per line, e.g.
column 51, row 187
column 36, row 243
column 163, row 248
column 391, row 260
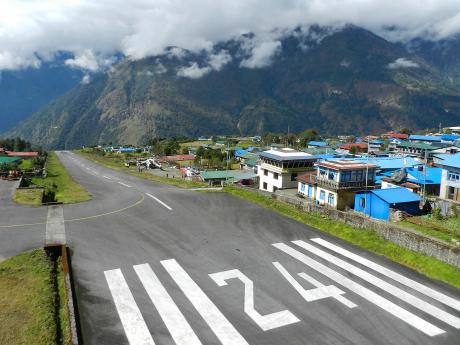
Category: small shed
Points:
column 378, row 202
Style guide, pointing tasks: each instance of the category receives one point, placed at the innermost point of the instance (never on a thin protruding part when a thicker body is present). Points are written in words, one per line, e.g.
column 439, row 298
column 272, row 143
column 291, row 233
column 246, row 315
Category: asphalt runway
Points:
column 155, row 264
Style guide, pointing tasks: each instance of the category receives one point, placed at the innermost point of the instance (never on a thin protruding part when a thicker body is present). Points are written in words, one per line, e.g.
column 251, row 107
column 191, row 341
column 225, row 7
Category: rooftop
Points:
column 7, row 160
column 21, row 154
column 345, row 165
column 317, row 143
column 452, row 161
column 227, row 174
column 396, row 195
column 422, row 146
column 424, row 137
column 357, row 145
column 388, row 163
column 286, row 154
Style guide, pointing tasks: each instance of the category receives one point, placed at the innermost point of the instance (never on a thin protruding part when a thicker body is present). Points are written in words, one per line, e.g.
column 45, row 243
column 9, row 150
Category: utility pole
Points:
column 367, row 162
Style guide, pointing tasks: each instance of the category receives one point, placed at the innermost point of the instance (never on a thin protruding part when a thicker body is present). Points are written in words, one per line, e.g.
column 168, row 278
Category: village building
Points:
column 279, row 168
column 334, row 183
column 384, row 203
column 450, row 178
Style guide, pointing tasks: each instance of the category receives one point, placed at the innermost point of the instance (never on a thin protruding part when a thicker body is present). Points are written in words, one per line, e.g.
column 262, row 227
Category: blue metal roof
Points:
column 450, row 137
column 452, row 161
column 433, row 175
column 396, row 195
column 424, row 137
column 317, row 143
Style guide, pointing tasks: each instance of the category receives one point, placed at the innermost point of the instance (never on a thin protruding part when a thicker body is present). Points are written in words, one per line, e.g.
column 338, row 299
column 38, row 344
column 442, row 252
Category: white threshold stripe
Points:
column 364, row 292
column 174, row 320
column 131, row 318
column 124, row 184
column 382, row 284
column 108, row 178
column 158, row 201
column 222, row 328
column 449, row 301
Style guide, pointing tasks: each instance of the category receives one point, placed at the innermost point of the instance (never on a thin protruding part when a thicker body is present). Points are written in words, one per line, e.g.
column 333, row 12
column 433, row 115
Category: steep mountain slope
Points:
column 24, row 92
column 350, row 81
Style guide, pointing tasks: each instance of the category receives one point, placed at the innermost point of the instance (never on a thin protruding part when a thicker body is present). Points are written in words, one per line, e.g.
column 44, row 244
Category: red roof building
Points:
column 24, row 155
column 396, row 135
column 177, row 158
column 360, row 146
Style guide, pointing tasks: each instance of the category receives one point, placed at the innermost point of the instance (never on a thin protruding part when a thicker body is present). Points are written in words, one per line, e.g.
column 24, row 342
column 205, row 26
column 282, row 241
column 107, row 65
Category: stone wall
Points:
column 404, row 237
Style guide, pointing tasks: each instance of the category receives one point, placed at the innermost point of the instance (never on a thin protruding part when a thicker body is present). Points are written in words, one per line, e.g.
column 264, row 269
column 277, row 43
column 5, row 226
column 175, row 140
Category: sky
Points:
column 94, row 31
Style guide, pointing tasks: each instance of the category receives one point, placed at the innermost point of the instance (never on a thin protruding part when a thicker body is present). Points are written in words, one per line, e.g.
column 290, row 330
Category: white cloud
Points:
column 88, row 61
column 85, row 80
column 261, row 55
column 193, row 71
column 219, row 60
column 31, row 30
column 403, row 63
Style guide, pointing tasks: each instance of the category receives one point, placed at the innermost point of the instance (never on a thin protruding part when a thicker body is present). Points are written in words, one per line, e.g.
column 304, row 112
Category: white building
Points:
column 279, row 168
column 450, row 178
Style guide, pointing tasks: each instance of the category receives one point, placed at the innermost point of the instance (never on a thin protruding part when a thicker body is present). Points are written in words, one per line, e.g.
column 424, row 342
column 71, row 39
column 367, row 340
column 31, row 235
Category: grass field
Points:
column 28, row 303
column 366, row 239
column 31, row 197
column 444, row 229
column 59, row 183
column 26, row 164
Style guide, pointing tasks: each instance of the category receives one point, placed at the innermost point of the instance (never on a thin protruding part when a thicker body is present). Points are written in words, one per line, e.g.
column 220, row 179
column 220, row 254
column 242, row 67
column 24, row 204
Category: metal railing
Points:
column 340, row 185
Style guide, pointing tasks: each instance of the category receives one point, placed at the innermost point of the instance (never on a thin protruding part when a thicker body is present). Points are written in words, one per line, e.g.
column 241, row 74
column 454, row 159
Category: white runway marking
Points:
column 364, row 292
column 158, row 201
column 222, row 328
column 265, row 322
column 131, row 318
column 449, row 301
column 320, row 292
column 124, row 184
column 108, row 178
column 174, row 320
column 387, row 287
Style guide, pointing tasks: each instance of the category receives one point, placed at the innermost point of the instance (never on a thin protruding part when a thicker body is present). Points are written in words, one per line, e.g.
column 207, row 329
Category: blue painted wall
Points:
column 380, row 209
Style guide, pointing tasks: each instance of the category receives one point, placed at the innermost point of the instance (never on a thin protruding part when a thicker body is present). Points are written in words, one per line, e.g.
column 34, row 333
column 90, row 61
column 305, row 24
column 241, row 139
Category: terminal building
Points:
column 279, row 168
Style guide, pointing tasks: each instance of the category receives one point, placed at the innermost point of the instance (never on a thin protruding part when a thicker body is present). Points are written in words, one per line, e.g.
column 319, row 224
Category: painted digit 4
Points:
column 265, row 322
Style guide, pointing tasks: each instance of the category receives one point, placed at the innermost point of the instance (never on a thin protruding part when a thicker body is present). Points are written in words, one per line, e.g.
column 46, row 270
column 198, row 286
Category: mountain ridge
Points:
column 348, row 81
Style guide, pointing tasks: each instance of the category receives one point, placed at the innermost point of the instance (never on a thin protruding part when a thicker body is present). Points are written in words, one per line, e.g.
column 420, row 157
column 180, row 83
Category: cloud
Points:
column 261, row 55
column 86, row 79
column 93, row 32
column 403, row 63
column 193, row 71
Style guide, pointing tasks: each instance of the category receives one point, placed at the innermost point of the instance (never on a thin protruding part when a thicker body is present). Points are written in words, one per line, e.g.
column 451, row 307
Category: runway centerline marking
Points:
column 381, row 284
column 108, row 178
column 383, row 303
column 131, row 318
column 124, row 184
column 222, row 328
column 159, row 201
column 173, row 318
column 449, row 301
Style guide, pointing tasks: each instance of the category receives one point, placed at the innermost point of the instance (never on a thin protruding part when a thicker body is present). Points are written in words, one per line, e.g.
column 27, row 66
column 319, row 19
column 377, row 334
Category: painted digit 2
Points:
column 265, row 322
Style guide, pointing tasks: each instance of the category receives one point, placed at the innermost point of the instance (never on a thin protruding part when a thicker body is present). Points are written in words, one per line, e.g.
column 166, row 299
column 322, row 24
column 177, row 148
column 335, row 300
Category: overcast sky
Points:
column 94, row 30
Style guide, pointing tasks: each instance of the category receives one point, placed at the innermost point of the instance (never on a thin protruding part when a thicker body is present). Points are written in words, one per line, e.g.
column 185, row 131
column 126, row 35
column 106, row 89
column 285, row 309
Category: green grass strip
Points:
column 27, row 300
column 31, row 197
column 363, row 238
column 59, row 182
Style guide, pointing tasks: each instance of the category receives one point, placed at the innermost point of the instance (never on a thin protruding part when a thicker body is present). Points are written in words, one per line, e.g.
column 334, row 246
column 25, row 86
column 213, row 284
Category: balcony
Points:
column 331, row 184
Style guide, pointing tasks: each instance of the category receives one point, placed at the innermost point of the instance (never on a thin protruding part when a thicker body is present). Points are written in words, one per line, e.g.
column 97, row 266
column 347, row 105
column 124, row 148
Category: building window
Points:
column 362, row 203
column 302, row 187
column 265, row 185
column 453, row 177
column 310, row 191
column 330, row 199
column 293, row 176
column 275, row 176
column 322, row 195
column 265, row 172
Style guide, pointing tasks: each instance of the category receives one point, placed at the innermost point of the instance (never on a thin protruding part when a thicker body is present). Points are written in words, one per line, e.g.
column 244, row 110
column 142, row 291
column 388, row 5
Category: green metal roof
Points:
column 226, row 174
column 8, row 160
column 252, row 162
column 422, row 146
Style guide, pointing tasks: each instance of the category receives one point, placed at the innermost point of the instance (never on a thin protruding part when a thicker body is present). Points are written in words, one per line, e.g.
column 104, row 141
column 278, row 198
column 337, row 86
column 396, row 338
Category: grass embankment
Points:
column 366, row 239
column 30, row 197
column 59, row 185
column 443, row 229
column 28, row 301
column 118, row 164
